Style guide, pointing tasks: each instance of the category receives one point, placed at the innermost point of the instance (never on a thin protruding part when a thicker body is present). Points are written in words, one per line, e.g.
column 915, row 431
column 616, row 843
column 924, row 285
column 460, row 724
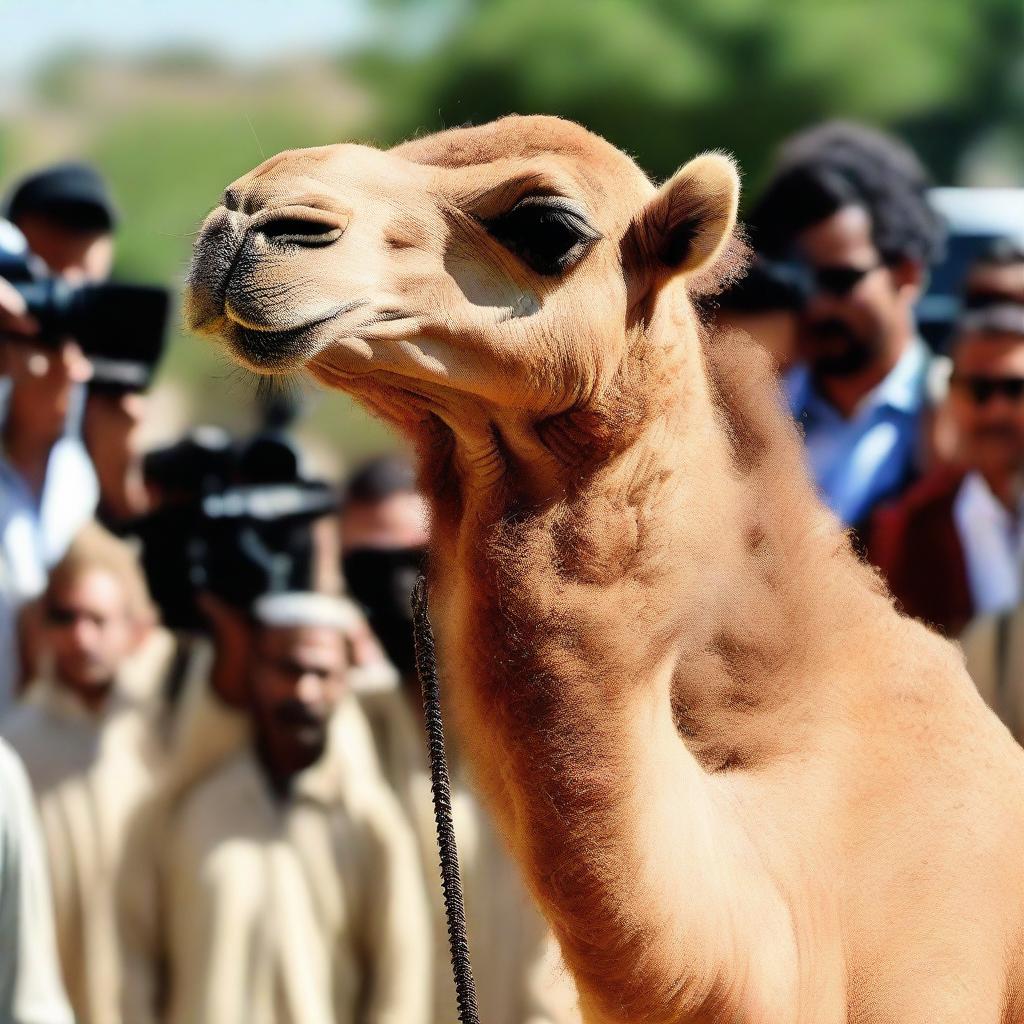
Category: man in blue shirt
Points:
column 848, row 205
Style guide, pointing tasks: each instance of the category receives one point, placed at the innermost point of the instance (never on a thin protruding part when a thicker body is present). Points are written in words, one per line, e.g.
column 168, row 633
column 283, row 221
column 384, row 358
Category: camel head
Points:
column 507, row 266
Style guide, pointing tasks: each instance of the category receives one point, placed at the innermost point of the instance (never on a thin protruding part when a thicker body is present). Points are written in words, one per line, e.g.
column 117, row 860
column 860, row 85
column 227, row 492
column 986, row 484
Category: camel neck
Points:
column 612, row 649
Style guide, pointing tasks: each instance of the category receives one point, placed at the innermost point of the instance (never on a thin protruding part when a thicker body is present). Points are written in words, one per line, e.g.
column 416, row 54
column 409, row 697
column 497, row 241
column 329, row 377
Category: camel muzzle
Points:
column 241, row 288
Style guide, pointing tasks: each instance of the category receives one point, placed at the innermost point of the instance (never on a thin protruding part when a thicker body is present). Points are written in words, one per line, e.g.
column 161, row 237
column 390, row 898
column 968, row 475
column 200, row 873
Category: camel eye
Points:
column 546, row 233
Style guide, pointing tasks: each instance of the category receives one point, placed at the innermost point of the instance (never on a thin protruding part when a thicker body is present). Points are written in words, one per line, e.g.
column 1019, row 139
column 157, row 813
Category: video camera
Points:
column 232, row 521
column 120, row 327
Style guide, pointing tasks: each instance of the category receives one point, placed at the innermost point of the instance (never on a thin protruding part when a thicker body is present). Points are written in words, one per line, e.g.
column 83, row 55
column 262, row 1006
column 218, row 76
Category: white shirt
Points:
column 993, row 546
column 35, row 534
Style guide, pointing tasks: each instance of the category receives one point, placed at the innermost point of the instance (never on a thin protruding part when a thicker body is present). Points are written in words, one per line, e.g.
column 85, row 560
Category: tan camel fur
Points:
column 740, row 786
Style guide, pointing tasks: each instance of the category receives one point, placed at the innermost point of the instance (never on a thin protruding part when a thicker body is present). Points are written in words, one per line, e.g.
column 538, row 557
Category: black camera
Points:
column 120, row 327
column 234, row 521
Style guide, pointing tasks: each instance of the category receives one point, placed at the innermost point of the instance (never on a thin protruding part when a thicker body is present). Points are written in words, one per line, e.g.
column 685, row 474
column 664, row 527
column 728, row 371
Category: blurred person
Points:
column 384, row 535
column 287, row 888
column 85, row 733
column 115, row 410
column 30, row 985
column 68, row 216
column 111, row 425
column 519, row 977
column 48, row 487
column 997, row 275
column 953, row 546
column 849, row 204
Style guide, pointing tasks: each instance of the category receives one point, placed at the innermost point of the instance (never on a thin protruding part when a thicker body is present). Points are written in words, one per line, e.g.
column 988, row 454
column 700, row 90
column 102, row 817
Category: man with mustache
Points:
column 848, row 206
column 953, row 546
column 289, row 891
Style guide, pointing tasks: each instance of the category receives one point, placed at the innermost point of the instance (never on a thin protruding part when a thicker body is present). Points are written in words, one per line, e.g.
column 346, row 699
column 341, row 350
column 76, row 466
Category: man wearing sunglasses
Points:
column 953, row 546
column 846, row 210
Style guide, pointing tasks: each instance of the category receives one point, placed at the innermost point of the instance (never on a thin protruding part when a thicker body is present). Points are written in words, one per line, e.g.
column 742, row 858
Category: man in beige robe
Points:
column 283, row 886
column 90, row 751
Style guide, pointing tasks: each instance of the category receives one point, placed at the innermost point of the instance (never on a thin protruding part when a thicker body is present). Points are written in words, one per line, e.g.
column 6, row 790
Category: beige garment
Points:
column 89, row 772
column 994, row 650
column 519, row 975
column 306, row 912
column 30, row 986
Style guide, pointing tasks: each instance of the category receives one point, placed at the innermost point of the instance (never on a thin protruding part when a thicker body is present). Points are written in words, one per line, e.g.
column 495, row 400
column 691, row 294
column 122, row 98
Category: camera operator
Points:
column 115, row 408
column 48, row 488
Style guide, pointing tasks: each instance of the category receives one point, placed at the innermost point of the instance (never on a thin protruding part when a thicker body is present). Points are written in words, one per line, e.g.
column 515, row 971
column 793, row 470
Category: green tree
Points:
column 663, row 78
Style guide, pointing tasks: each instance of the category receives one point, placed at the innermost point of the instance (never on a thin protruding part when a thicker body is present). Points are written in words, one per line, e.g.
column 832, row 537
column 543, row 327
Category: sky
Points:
column 242, row 31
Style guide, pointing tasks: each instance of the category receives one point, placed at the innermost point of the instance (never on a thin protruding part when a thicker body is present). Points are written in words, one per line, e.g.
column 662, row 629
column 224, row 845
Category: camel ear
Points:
column 691, row 219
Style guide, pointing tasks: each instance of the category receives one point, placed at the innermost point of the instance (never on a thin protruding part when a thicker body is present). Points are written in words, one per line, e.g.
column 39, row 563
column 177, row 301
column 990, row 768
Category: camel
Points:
column 740, row 786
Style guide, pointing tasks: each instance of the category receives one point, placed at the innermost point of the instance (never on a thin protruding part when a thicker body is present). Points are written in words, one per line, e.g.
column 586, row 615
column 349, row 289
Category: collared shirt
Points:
column 35, row 533
column 861, row 460
column 993, row 545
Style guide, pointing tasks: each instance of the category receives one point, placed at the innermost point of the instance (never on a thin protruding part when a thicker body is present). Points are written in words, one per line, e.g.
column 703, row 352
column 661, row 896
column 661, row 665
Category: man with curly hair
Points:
column 848, row 204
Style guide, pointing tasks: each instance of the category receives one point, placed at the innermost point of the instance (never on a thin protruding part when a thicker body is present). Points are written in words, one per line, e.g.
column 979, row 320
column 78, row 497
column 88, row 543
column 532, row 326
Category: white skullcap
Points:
column 296, row 609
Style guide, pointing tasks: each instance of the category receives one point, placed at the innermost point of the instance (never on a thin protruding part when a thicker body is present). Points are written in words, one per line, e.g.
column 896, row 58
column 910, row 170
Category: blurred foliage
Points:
column 660, row 78
column 665, row 78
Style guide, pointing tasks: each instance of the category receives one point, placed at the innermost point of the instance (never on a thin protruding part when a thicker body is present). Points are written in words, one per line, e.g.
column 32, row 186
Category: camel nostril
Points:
column 300, row 231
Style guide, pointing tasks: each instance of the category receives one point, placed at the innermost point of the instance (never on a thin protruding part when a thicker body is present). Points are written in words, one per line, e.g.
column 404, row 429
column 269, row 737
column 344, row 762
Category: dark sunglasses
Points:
column 838, row 280
column 807, row 280
column 57, row 616
column 983, row 389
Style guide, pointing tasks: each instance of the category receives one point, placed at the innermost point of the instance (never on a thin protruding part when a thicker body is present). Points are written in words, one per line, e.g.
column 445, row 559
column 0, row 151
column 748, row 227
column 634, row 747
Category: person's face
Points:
column 997, row 283
column 43, row 382
column 848, row 330
column 986, row 404
column 111, row 426
column 399, row 521
column 297, row 681
column 77, row 256
column 90, row 629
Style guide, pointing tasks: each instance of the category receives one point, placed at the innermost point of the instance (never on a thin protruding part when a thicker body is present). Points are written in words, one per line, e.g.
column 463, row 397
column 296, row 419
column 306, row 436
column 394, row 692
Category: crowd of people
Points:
column 214, row 789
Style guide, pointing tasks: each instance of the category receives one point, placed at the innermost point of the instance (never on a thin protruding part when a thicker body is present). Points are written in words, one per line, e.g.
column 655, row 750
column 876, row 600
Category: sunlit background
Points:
column 174, row 99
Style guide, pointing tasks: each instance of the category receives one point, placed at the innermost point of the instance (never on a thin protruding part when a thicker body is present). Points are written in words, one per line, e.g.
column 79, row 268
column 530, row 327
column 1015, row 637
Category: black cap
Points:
column 72, row 194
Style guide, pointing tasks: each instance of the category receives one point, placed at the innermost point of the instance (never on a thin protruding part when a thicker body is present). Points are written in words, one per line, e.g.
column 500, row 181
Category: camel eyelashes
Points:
column 300, row 231
column 546, row 233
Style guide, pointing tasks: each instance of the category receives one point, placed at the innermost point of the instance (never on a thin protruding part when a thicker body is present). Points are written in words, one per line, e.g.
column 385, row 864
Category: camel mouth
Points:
column 279, row 350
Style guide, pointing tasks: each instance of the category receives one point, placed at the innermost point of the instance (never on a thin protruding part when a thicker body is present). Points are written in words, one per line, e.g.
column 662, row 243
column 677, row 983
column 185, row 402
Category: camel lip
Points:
column 272, row 351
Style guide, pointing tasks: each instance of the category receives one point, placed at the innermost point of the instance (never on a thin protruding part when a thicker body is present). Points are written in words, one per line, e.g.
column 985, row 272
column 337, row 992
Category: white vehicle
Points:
column 976, row 217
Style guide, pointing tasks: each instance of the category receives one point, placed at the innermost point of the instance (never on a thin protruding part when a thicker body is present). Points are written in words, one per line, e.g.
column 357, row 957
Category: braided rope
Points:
column 440, row 787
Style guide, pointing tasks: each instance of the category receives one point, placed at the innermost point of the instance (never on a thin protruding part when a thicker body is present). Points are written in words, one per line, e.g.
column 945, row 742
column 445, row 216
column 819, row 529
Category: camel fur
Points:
column 740, row 786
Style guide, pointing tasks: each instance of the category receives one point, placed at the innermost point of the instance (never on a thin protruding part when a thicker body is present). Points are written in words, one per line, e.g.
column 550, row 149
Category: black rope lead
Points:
column 440, row 787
